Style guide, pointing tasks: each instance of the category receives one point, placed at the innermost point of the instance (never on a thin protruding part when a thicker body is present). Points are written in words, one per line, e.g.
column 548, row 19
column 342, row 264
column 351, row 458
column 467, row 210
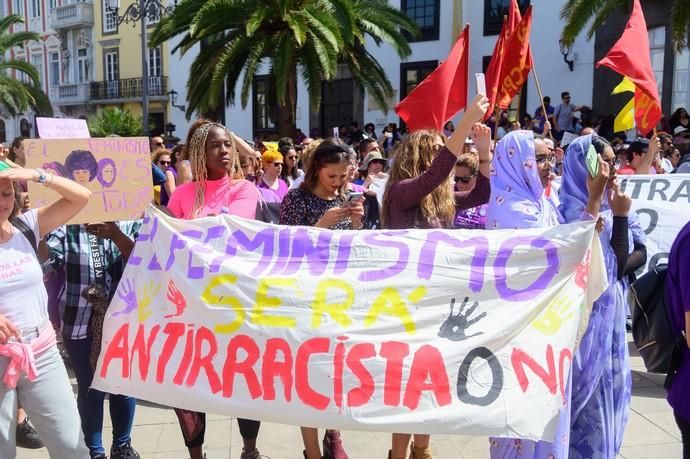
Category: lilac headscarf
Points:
column 517, row 195
column 596, row 351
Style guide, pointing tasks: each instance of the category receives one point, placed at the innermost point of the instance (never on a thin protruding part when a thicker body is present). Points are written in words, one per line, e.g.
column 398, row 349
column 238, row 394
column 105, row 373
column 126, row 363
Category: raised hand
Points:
column 177, row 299
column 619, row 202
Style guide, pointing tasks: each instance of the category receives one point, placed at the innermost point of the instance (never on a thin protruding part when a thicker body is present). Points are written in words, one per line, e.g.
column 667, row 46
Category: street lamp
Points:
column 172, row 95
column 139, row 11
column 565, row 50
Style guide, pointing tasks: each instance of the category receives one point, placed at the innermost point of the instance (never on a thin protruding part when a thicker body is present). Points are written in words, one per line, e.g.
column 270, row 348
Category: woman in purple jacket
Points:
column 419, row 195
column 678, row 297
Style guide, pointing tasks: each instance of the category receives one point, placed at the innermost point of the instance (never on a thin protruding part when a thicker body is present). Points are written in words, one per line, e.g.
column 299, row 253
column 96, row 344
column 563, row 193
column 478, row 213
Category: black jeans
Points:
column 684, row 427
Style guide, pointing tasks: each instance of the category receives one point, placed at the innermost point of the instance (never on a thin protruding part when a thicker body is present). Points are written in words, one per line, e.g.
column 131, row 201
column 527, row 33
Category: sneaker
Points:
column 250, row 455
column 333, row 446
column 27, row 437
column 124, row 452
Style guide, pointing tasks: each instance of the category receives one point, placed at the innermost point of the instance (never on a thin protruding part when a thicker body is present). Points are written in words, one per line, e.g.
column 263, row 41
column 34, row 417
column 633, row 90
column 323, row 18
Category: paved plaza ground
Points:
column 651, row 433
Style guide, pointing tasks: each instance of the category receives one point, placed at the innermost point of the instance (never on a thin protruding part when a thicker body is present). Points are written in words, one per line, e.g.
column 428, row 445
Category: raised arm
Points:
column 648, row 158
column 74, row 197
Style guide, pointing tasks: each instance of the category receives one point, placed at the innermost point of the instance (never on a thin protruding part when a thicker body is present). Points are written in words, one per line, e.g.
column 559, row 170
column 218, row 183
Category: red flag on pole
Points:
column 630, row 57
column 517, row 62
column 495, row 70
column 442, row 94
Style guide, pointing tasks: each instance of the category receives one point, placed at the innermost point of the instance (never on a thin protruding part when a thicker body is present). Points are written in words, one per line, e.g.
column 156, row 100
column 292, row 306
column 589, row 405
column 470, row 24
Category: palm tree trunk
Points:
column 287, row 109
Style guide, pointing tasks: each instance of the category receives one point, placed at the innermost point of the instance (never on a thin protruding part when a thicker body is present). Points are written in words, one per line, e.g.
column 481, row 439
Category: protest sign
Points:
column 662, row 203
column 445, row 332
column 62, row 128
column 567, row 139
column 117, row 170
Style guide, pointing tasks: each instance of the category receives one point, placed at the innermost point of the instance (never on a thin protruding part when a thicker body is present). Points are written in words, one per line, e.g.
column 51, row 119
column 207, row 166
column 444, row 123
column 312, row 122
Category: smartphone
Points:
column 592, row 161
column 353, row 197
column 336, row 132
column 481, row 83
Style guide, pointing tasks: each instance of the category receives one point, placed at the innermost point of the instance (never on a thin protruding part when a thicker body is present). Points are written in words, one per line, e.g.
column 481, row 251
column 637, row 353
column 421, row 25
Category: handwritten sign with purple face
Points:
column 117, row 170
column 62, row 128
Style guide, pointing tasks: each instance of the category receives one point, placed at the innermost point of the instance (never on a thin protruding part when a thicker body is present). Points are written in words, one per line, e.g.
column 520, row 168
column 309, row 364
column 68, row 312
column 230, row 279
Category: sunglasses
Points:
column 292, row 157
column 278, row 164
column 164, row 163
column 465, row 179
column 158, row 144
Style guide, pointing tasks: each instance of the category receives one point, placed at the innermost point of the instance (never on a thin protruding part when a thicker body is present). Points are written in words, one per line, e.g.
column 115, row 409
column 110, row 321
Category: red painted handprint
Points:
column 582, row 270
column 177, row 299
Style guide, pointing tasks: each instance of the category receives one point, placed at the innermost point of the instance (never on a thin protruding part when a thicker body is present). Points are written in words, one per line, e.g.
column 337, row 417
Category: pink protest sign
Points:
column 62, row 128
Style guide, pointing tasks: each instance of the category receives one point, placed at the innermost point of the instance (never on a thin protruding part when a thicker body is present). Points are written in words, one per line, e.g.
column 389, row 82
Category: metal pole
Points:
column 144, row 69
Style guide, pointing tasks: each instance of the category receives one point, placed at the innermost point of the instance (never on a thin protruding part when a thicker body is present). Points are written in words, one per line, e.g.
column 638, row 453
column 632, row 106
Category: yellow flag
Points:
column 626, row 118
column 624, row 86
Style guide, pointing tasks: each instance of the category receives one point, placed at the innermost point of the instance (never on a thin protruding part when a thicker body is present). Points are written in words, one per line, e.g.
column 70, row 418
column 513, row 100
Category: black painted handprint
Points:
column 455, row 325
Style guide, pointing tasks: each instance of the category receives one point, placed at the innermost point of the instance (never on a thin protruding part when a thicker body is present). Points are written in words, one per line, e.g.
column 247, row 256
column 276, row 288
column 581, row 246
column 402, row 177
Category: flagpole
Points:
column 541, row 97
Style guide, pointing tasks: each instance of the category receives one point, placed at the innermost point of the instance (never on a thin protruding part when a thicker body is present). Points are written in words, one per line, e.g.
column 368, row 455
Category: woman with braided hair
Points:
column 218, row 187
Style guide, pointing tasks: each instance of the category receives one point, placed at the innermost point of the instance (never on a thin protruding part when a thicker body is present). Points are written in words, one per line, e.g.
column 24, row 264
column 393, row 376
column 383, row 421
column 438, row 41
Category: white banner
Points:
column 663, row 204
column 436, row 331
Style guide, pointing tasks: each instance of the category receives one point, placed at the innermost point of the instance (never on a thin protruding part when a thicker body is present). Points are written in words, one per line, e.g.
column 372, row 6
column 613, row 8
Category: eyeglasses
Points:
column 543, row 159
column 464, row 179
column 278, row 164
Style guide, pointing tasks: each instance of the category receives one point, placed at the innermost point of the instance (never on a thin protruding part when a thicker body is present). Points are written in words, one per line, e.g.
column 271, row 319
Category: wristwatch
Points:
column 41, row 177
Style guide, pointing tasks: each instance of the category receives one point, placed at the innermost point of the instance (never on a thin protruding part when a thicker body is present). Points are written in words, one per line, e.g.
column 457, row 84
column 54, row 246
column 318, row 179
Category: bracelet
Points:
column 484, row 161
column 41, row 176
column 49, row 180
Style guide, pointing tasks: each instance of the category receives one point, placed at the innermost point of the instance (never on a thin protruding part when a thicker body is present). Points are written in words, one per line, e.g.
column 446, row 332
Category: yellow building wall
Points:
column 127, row 39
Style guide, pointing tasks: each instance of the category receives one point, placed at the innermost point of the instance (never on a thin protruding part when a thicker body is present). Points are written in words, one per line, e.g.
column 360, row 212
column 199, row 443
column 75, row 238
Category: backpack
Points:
column 653, row 334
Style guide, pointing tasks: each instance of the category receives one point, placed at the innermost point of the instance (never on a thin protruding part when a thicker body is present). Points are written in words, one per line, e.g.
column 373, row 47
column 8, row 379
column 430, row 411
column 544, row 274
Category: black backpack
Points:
column 653, row 334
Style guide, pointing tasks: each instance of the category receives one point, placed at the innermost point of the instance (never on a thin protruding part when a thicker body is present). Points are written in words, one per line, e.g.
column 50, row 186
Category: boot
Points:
column 420, row 453
column 333, row 446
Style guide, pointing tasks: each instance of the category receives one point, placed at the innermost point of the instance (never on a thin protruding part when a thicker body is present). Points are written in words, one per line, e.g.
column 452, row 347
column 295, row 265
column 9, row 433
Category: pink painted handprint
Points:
column 177, row 299
column 127, row 294
column 582, row 270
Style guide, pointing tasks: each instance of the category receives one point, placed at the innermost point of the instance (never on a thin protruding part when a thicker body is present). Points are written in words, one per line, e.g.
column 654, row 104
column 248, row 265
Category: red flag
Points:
column 442, row 94
column 517, row 62
column 630, row 57
column 494, row 72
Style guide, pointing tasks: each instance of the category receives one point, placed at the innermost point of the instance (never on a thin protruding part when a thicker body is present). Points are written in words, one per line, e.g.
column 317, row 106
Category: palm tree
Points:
column 578, row 13
column 15, row 94
column 239, row 37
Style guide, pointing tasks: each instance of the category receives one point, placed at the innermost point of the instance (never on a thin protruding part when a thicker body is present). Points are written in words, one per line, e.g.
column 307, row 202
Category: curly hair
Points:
column 195, row 150
column 413, row 157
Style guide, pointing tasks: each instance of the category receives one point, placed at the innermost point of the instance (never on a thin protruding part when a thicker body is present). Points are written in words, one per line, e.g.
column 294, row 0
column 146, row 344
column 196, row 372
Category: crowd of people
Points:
column 457, row 178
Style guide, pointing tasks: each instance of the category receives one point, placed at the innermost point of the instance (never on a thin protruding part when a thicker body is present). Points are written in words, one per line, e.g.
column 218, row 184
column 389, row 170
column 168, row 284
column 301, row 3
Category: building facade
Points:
column 441, row 22
column 118, row 76
column 44, row 54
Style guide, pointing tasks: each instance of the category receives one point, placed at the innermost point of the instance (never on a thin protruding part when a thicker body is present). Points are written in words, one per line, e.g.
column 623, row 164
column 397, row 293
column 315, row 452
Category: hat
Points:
column 3, row 166
column 271, row 156
column 679, row 129
column 371, row 156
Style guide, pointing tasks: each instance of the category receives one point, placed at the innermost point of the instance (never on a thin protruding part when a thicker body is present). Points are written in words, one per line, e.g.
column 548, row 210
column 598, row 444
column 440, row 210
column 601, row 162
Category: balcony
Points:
column 116, row 91
column 71, row 16
column 70, row 94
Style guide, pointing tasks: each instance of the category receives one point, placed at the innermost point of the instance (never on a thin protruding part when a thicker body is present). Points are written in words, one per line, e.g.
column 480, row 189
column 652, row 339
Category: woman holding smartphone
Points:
column 321, row 201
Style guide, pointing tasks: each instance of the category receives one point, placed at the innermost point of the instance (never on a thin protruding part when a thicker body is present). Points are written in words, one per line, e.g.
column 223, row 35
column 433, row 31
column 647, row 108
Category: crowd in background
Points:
column 497, row 175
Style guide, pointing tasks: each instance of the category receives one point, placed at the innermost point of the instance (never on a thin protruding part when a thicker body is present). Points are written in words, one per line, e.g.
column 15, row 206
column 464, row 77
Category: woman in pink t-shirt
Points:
column 218, row 187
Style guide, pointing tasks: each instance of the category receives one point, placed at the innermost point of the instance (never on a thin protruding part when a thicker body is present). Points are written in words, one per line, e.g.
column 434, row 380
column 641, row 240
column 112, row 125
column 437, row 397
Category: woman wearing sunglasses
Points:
column 465, row 179
column 418, row 195
column 290, row 172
